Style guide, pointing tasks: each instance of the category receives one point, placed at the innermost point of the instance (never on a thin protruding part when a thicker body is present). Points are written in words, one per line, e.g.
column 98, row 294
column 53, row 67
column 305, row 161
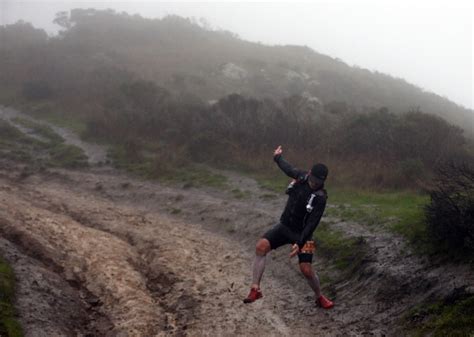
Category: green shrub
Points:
column 65, row 155
column 452, row 316
column 450, row 214
column 9, row 326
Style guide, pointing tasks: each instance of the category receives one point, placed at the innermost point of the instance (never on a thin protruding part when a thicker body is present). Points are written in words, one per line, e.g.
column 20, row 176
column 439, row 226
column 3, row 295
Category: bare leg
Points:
column 261, row 250
column 313, row 280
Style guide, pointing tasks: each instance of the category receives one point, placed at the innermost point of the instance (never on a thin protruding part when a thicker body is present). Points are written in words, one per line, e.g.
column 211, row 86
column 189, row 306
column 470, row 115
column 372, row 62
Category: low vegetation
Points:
column 49, row 151
column 452, row 316
column 345, row 252
column 165, row 167
column 42, row 130
column 66, row 155
column 240, row 194
column 399, row 211
column 47, row 111
column 9, row 326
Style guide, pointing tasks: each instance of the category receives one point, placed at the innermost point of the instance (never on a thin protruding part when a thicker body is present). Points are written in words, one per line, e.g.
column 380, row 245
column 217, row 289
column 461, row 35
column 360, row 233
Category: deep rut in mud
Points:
column 153, row 275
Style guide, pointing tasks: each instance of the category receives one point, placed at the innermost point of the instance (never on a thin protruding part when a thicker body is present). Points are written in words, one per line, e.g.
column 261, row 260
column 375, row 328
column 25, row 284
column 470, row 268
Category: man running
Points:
column 303, row 211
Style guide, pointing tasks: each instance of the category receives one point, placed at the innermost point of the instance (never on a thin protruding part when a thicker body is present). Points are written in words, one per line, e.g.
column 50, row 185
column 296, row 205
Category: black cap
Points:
column 320, row 171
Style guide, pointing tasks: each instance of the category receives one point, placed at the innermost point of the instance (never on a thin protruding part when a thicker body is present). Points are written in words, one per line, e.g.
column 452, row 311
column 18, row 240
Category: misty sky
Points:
column 428, row 43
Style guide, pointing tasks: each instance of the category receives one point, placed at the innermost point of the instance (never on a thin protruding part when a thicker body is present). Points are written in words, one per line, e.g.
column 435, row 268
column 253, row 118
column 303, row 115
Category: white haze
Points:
column 428, row 43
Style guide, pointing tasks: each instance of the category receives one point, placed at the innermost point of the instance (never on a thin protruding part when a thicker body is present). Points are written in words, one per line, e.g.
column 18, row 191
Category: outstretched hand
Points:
column 295, row 249
column 278, row 150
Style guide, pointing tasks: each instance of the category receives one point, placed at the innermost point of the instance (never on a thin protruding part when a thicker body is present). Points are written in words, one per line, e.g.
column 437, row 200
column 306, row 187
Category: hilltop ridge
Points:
column 189, row 59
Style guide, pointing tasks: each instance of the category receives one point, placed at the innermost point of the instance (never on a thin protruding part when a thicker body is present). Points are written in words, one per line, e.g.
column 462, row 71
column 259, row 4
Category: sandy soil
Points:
column 99, row 253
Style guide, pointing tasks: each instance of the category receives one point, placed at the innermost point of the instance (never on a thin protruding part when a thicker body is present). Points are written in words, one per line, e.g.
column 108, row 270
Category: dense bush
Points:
column 450, row 214
column 399, row 150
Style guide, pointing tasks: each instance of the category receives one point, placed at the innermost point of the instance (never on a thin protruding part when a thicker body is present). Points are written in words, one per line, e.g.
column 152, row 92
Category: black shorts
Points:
column 280, row 235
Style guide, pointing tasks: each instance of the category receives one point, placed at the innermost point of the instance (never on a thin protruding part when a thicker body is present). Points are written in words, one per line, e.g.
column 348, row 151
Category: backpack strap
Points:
column 301, row 179
column 321, row 193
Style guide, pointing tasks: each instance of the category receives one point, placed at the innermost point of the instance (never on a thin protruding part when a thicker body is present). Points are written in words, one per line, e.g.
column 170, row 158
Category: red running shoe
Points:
column 324, row 302
column 254, row 295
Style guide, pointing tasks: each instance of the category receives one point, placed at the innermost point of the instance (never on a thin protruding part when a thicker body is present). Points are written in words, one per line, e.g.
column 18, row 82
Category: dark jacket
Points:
column 295, row 216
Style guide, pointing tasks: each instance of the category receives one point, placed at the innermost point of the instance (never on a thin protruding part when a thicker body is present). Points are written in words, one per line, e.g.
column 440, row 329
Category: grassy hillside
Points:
column 190, row 60
column 168, row 91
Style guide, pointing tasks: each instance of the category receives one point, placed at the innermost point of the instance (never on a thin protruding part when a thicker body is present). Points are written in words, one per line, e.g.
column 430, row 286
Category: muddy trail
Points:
column 97, row 252
column 95, row 153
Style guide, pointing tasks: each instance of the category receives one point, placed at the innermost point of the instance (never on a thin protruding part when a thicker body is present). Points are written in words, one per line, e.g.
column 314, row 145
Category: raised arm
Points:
column 289, row 170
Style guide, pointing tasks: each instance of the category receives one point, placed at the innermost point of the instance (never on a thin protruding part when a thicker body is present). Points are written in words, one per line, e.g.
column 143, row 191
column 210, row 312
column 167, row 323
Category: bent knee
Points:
column 262, row 247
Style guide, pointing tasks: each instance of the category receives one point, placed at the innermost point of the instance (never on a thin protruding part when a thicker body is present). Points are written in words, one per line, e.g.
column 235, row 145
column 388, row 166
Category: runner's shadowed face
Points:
column 314, row 182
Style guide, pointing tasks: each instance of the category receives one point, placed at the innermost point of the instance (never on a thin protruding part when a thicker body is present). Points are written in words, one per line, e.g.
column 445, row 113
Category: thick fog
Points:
column 428, row 43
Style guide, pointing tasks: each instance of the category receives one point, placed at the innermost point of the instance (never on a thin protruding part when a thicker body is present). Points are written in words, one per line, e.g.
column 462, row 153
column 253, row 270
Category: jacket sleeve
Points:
column 312, row 221
column 289, row 170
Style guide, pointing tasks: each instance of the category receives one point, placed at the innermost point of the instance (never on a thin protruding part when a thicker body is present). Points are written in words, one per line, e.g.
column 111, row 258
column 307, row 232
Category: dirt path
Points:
column 48, row 303
column 152, row 275
column 129, row 257
column 97, row 154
